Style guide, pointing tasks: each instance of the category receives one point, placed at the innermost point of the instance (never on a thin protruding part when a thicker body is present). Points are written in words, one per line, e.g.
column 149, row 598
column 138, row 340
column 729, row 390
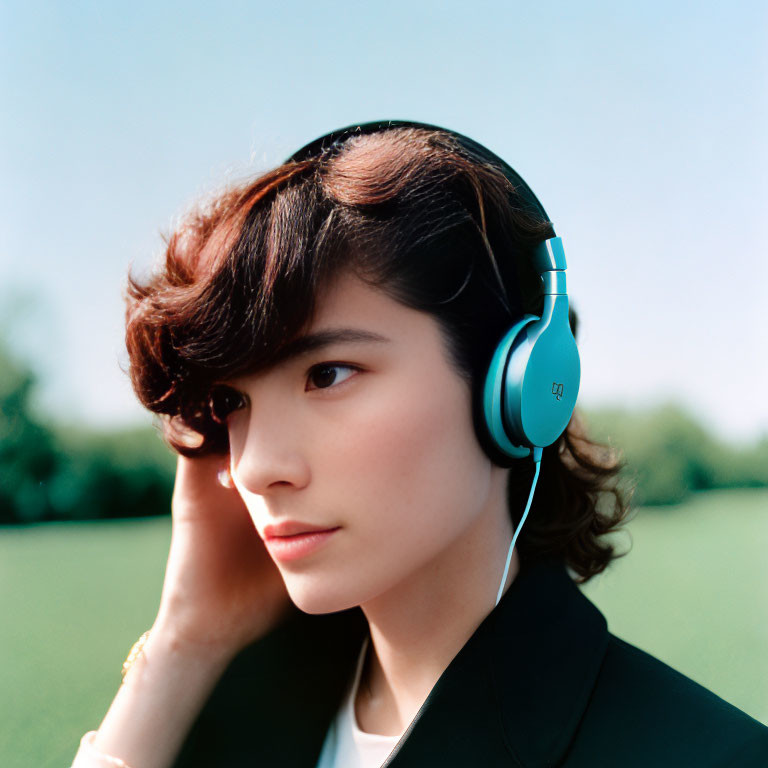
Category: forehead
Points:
column 349, row 301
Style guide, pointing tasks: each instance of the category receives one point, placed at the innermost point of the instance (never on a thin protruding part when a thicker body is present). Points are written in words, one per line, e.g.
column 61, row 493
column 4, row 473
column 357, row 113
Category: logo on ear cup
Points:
column 557, row 389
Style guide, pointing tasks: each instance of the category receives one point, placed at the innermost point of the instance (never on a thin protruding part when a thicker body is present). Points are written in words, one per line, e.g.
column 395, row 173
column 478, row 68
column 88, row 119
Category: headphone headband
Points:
column 326, row 142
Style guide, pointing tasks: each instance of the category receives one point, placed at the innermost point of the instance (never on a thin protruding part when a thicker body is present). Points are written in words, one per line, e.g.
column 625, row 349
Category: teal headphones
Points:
column 532, row 382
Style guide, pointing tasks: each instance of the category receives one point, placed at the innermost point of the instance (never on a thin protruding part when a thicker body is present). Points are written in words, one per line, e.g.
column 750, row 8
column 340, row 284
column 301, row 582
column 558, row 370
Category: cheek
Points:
column 410, row 461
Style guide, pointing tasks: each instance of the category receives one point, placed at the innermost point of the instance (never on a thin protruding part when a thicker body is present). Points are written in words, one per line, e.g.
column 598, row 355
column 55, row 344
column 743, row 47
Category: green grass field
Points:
column 74, row 597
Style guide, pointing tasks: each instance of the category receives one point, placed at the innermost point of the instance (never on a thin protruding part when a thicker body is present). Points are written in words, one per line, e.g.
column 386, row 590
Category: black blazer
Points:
column 541, row 682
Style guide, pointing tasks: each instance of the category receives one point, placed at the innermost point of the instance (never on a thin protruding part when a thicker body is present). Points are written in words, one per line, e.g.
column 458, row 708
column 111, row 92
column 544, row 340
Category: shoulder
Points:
column 638, row 699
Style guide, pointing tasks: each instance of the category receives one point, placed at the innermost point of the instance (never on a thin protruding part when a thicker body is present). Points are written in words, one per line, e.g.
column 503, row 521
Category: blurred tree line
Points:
column 670, row 455
column 67, row 472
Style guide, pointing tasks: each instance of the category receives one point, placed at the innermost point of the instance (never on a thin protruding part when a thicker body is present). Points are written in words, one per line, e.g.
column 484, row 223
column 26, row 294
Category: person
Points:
column 377, row 532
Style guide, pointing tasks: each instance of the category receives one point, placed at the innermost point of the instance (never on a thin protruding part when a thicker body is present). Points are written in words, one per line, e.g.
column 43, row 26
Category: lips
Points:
column 290, row 549
column 293, row 528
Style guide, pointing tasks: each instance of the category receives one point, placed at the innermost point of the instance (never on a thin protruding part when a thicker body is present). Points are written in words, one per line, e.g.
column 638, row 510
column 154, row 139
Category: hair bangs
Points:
column 240, row 282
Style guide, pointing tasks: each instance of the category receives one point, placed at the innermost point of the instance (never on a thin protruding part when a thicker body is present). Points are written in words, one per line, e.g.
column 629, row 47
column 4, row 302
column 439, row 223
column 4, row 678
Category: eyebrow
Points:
column 312, row 342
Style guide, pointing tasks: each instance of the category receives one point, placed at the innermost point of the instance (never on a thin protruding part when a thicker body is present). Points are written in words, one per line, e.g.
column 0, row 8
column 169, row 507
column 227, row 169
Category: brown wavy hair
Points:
column 413, row 213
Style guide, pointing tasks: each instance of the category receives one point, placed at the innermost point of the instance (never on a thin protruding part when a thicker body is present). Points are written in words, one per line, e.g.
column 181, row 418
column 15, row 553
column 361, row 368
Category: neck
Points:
column 417, row 627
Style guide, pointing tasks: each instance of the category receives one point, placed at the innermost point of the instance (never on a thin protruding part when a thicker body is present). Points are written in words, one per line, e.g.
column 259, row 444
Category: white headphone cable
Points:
column 537, row 459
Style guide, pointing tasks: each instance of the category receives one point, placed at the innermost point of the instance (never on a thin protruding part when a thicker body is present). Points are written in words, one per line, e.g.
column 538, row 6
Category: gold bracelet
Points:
column 134, row 654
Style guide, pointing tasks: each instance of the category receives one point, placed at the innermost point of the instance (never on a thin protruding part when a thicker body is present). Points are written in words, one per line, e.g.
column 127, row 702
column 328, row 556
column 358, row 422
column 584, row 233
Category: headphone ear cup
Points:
column 500, row 385
column 532, row 384
column 543, row 379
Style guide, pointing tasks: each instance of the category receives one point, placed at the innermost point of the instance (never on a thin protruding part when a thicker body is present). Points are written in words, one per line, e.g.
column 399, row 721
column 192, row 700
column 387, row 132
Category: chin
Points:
column 316, row 596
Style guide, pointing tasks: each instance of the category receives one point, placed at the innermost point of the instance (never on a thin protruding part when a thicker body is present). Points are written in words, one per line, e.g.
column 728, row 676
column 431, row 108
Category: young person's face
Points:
column 374, row 437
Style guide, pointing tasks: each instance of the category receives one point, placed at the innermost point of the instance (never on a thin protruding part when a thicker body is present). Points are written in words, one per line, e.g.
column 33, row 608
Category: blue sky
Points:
column 640, row 126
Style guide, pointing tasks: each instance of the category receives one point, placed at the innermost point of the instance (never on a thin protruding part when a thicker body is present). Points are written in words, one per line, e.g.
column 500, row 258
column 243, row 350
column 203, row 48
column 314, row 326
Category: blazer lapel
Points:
column 516, row 691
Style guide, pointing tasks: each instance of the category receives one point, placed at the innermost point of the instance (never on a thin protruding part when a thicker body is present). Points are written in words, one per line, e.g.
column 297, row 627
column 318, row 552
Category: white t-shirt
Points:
column 346, row 746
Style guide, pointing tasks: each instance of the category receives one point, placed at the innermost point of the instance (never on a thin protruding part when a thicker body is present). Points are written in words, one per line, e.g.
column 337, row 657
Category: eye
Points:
column 223, row 401
column 324, row 375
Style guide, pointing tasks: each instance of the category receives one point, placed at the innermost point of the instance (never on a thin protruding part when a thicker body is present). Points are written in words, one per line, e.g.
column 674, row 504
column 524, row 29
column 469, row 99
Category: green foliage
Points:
column 670, row 455
column 122, row 473
column 69, row 472
column 28, row 456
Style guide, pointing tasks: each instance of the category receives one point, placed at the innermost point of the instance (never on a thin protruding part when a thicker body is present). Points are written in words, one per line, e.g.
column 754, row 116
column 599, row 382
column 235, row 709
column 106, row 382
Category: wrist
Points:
column 171, row 638
column 167, row 648
column 168, row 680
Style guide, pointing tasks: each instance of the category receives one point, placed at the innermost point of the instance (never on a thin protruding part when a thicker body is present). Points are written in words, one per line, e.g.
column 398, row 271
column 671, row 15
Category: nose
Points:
column 266, row 454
